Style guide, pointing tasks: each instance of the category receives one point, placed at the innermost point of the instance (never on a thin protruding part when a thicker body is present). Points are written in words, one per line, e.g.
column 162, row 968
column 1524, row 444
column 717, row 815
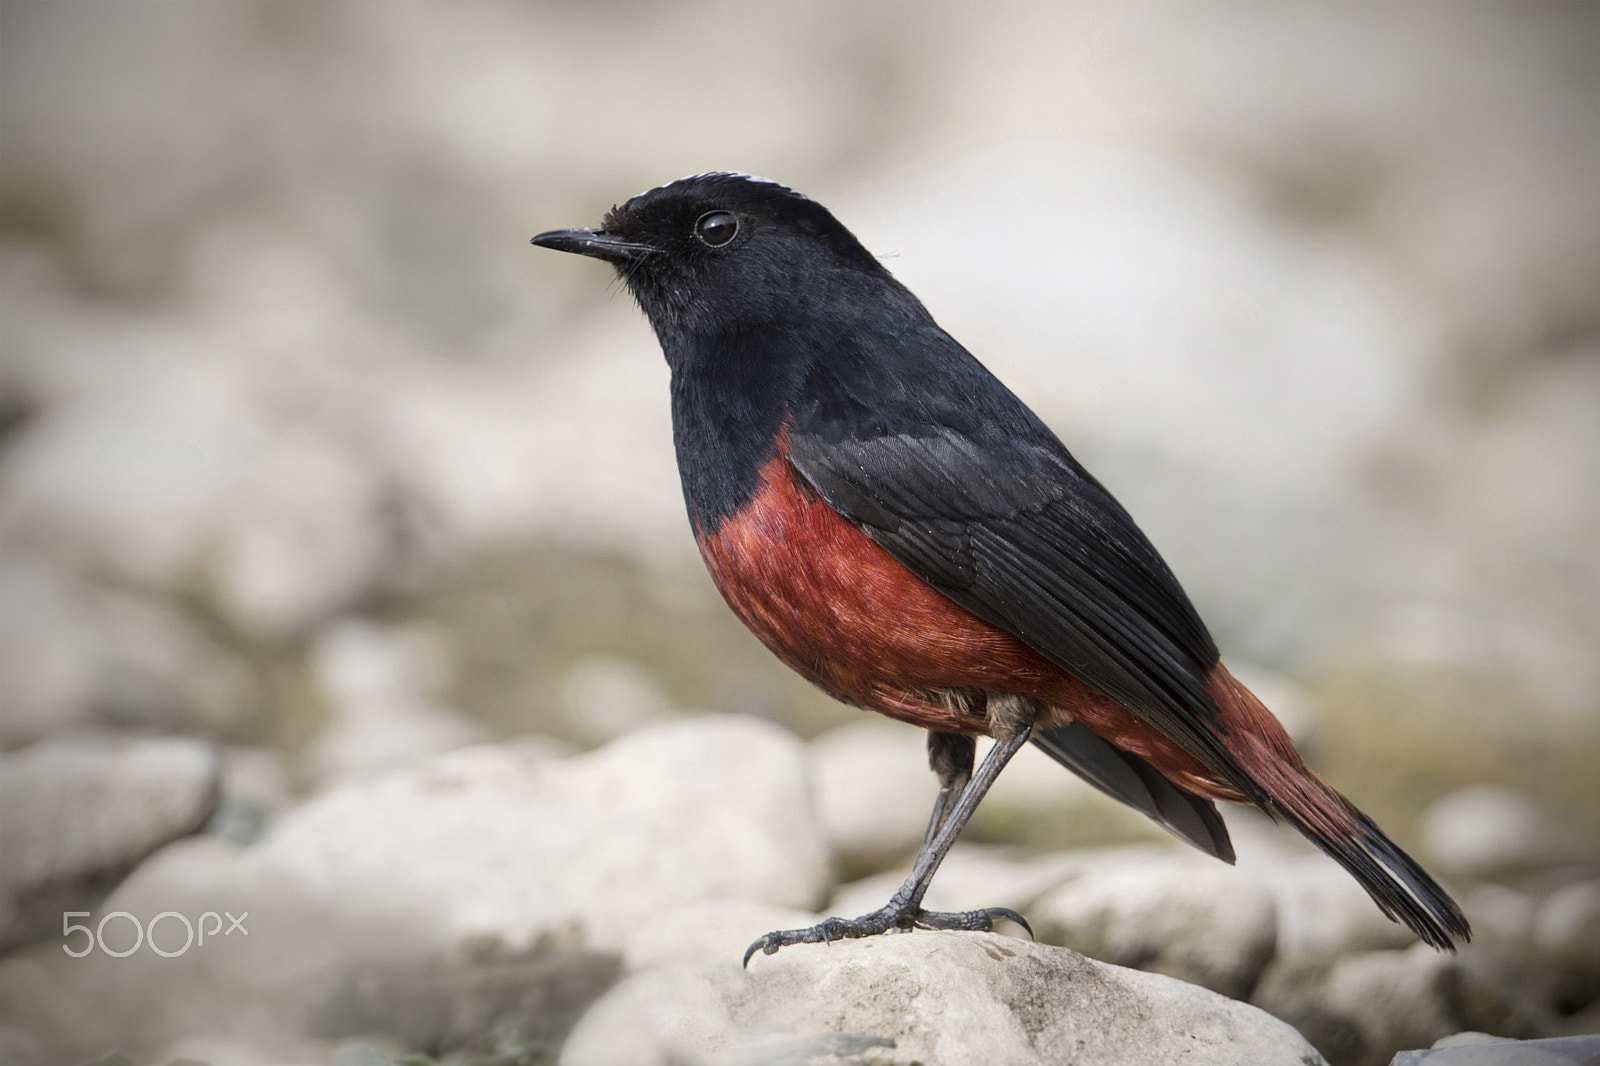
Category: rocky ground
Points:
column 349, row 623
column 481, row 904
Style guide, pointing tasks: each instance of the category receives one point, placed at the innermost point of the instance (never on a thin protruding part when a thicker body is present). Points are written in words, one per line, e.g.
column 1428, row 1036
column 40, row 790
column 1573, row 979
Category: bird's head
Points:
column 724, row 253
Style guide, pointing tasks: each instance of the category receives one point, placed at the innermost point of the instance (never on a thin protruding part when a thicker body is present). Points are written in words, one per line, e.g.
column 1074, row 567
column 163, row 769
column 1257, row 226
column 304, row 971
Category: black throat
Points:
column 730, row 396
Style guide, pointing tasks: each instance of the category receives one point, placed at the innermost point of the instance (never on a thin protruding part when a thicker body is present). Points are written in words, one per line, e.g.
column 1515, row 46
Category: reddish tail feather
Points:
column 1400, row 887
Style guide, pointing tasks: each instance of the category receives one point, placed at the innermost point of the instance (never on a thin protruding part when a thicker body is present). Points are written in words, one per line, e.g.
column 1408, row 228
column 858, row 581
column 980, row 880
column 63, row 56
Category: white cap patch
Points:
column 735, row 174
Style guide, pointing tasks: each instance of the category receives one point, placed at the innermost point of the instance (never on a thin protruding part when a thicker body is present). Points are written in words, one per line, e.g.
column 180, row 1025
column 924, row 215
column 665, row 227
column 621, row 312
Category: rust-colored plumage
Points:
column 844, row 613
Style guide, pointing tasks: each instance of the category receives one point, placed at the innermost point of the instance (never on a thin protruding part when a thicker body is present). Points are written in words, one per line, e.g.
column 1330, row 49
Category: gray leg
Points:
column 904, row 909
column 950, row 756
column 928, row 859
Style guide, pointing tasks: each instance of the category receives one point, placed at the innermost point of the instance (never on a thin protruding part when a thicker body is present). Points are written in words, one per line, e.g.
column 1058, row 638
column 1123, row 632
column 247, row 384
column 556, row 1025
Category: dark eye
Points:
column 716, row 228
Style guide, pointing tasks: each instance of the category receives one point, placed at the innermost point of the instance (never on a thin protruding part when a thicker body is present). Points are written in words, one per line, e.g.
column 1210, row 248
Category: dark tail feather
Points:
column 1128, row 778
column 1400, row 887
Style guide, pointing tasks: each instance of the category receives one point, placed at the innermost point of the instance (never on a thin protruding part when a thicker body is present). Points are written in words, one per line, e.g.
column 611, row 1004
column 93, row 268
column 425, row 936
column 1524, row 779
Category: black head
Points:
column 725, row 253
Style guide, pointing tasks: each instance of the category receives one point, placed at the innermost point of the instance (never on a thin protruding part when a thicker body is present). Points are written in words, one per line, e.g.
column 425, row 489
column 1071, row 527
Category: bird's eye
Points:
column 716, row 228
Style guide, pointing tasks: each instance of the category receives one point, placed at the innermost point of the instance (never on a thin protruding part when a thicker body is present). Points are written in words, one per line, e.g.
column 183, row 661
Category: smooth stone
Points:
column 957, row 999
column 493, row 884
column 76, row 813
column 1491, row 830
column 1166, row 910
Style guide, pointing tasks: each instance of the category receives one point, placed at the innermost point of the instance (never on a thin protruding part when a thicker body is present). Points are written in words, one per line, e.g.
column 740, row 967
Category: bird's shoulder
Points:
column 913, row 428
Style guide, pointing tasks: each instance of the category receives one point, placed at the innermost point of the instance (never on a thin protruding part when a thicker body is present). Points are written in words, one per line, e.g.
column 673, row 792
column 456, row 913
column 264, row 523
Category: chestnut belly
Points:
column 848, row 616
column 844, row 613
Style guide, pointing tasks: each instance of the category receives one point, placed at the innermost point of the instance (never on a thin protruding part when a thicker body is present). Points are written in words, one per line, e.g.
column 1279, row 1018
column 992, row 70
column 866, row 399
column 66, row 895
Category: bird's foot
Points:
column 887, row 919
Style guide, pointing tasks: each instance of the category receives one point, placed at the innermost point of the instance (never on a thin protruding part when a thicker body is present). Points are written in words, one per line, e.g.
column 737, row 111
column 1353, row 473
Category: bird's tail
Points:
column 1400, row 887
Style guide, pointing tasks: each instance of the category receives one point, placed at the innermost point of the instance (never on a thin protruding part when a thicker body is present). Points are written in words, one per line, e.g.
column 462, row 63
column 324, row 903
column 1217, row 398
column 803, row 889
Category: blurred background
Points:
column 311, row 470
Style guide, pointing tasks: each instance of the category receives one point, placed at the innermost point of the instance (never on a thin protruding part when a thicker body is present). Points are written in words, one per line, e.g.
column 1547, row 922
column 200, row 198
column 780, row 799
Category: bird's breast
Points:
column 839, row 609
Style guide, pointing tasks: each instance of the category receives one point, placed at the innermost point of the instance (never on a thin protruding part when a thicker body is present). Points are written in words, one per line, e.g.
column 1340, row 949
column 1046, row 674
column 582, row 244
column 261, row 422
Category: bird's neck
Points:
column 730, row 398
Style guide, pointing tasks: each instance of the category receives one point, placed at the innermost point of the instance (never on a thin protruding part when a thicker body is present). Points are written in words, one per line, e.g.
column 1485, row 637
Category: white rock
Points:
column 711, row 807
column 222, row 1051
column 1364, row 1008
column 257, row 787
column 198, row 476
column 166, row 673
column 1167, row 910
column 1469, row 1039
column 1503, row 932
column 1566, row 934
column 73, row 656
column 251, row 985
column 603, row 697
column 72, row 812
column 386, row 899
column 50, row 655
column 874, row 790
column 17, row 1048
column 972, row 876
column 716, row 930
column 1500, row 913
column 1488, row 830
column 380, row 685
column 258, row 777
column 75, row 808
column 1570, row 919
column 947, row 998
column 1309, row 905
column 1321, row 910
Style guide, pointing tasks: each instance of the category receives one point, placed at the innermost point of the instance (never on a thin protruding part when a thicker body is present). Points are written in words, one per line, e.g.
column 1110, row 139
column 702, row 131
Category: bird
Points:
column 899, row 528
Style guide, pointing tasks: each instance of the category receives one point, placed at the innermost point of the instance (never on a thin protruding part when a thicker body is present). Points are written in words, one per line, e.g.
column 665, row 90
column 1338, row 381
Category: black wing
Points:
column 935, row 460
column 1126, row 777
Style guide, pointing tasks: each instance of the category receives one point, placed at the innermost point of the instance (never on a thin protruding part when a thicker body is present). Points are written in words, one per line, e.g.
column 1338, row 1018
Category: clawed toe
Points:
column 882, row 921
column 975, row 921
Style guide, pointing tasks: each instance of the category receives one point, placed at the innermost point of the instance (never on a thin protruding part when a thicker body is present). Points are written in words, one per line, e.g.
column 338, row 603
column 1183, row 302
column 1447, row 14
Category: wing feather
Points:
column 969, row 490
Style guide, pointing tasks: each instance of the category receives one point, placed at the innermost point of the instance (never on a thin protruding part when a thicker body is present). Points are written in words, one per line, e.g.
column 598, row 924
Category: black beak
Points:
column 593, row 242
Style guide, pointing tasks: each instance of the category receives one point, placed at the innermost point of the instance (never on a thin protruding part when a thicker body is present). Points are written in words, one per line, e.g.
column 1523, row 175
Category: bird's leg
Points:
column 1011, row 720
column 950, row 756
column 1014, row 724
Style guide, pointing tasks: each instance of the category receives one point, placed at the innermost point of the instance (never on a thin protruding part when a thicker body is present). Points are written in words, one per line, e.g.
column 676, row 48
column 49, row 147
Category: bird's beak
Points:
column 593, row 242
